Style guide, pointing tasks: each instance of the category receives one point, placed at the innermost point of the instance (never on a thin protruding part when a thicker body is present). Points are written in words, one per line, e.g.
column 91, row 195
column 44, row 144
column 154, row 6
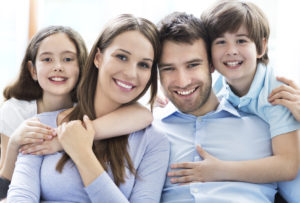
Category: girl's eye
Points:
column 144, row 65
column 121, row 57
column 68, row 59
column 241, row 41
column 47, row 59
column 220, row 42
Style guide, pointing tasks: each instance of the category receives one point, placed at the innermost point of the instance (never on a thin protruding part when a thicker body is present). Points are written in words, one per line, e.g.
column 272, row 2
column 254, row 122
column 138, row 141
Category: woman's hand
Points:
column 161, row 101
column 76, row 137
column 287, row 95
column 31, row 131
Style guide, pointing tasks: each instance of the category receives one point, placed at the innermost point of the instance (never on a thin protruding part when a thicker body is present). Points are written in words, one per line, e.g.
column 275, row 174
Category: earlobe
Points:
column 98, row 58
column 32, row 70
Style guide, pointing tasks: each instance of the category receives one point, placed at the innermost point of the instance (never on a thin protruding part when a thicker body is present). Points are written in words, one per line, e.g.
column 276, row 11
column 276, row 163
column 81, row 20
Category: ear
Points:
column 211, row 68
column 98, row 58
column 32, row 70
column 264, row 48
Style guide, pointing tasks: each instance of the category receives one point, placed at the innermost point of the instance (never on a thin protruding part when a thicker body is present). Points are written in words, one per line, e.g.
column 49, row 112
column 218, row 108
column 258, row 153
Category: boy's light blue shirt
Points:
column 255, row 101
column 278, row 117
column 227, row 134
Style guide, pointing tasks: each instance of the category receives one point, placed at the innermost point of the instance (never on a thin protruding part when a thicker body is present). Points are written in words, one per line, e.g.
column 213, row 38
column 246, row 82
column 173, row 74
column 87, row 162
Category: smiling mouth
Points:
column 233, row 63
column 123, row 85
column 186, row 92
column 58, row 79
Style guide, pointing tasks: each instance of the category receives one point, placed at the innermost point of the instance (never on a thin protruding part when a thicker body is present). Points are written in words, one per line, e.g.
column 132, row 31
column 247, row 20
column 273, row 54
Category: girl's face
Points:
column 56, row 66
column 124, row 68
column 234, row 55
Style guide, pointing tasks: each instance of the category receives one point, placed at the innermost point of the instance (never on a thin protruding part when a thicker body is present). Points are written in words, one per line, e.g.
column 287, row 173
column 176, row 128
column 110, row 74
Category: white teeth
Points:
column 57, row 79
column 123, row 85
column 232, row 63
column 186, row 92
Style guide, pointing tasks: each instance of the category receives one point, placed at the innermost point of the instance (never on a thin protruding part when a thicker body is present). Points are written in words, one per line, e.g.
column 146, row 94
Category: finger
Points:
column 282, row 88
column 288, row 82
column 33, row 148
column 288, row 104
column 88, row 124
column 37, row 123
column 180, row 173
column 183, row 179
column 183, row 165
column 202, row 152
column 38, row 135
column 283, row 95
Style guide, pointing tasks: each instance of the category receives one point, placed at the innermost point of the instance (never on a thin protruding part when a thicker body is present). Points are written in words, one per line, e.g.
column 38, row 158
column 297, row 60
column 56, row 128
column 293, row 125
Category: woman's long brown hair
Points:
column 112, row 153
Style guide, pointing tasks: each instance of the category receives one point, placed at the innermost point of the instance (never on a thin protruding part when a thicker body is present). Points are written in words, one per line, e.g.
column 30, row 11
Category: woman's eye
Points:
column 47, row 59
column 220, row 42
column 193, row 65
column 68, row 59
column 241, row 41
column 122, row 57
column 144, row 65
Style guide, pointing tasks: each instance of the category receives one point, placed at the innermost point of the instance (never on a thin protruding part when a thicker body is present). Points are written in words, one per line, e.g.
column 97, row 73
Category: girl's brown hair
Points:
column 113, row 153
column 25, row 88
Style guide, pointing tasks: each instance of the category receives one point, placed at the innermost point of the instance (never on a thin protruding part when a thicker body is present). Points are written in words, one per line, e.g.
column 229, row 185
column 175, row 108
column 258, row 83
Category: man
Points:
column 205, row 133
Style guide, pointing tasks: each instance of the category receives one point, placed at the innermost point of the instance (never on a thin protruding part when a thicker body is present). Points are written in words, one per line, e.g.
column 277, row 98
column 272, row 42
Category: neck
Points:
column 53, row 103
column 210, row 105
column 103, row 105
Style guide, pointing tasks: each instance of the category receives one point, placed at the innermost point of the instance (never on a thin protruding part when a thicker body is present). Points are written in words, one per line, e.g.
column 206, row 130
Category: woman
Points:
column 119, row 70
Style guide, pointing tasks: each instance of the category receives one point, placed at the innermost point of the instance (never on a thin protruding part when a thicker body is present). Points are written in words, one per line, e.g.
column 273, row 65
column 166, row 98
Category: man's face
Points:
column 185, row 76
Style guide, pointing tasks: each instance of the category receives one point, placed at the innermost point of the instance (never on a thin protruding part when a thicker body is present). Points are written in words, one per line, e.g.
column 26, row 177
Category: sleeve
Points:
column 280, row 119
column 4, row 183
column 290, row 189
column 149, row 182
column 25, row 183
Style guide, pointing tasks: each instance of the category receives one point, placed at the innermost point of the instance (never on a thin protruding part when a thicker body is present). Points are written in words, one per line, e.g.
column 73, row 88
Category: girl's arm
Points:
column 282, row 166
column 124, row 120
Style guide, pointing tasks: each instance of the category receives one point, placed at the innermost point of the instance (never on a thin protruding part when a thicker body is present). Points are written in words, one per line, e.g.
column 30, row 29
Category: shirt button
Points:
column 199, row 119
column 194, row 190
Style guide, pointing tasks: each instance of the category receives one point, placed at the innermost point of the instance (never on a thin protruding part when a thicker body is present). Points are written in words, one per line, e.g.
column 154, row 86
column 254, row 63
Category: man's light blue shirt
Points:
column 278, row 117
column 227, row 134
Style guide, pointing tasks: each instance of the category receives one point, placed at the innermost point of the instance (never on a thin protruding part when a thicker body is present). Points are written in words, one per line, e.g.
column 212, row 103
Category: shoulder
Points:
column 18, row 105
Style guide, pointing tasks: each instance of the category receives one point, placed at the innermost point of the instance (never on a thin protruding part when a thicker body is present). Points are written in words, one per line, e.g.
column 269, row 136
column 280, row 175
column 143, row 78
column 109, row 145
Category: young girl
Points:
column 47, row 82
column 119, row 70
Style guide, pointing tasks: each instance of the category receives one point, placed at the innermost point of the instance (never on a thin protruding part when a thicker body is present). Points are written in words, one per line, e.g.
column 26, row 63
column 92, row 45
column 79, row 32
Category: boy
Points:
column 239, row 33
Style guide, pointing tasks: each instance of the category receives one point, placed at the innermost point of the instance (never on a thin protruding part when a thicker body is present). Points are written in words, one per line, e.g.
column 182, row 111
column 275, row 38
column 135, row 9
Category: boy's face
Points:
column 234, row 55
column 185, row 76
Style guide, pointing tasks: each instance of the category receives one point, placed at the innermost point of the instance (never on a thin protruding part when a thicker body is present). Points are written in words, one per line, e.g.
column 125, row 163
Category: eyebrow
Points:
column 64, row 52
column 145, row 59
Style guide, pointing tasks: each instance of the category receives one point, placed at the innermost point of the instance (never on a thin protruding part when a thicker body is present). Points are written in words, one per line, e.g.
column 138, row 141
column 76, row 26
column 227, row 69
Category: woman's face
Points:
column 124, row 67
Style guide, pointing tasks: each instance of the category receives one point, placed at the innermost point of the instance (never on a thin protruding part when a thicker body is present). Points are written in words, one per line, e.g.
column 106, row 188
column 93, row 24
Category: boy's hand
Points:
column 201, row 171
column 287, row 95
column 31, row 131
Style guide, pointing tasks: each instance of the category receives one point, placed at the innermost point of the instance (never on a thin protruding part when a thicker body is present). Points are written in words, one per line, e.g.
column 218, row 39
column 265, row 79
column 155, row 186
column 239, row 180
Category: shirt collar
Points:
column 255, row 87
column 170, row 110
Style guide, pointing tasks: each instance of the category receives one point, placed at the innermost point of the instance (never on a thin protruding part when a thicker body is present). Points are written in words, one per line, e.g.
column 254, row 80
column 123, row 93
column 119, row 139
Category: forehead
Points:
column 177, row 53
column 134, row 42
column 58, row 42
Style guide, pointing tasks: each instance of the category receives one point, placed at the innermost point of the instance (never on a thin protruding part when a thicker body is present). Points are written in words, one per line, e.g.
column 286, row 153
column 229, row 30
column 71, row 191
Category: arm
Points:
column 30, row 131
column 129, row 119
column 25, row 184
column 281, row 166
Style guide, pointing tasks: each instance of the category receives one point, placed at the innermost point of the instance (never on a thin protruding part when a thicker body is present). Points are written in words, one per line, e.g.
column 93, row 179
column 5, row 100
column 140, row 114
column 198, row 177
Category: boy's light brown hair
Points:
column 230, row 15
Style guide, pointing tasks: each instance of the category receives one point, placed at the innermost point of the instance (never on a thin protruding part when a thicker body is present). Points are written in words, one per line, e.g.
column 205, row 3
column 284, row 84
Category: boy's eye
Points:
column 144, row 65
column 170, row 68
column 121, row 57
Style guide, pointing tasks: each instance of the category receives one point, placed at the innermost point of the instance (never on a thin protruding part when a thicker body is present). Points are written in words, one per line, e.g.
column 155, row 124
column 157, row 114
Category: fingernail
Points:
column 85, row 117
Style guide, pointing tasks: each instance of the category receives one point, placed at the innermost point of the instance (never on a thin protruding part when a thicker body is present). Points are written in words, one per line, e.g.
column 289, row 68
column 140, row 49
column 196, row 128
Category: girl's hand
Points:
column 76, row 137
column 44, row 148
column 31, row 131
column 287, row 95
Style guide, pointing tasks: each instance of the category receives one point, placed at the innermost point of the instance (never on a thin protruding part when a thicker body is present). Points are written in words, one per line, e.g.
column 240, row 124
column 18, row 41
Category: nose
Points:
column 183, row 79
column 130, row 71
column 58, row 67
column 231, row 49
